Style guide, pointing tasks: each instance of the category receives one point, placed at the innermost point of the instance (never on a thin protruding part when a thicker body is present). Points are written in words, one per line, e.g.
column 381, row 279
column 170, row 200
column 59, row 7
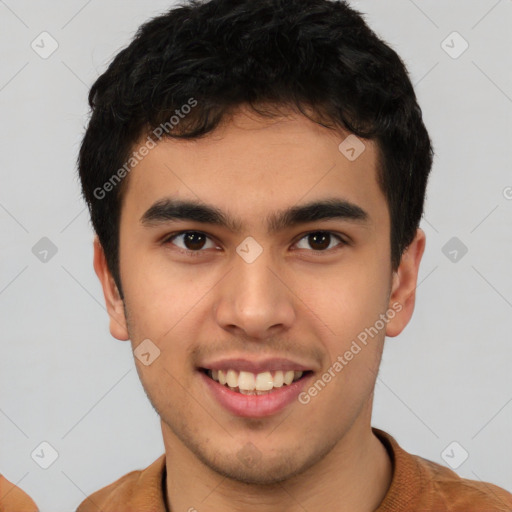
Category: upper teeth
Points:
column 249, row 381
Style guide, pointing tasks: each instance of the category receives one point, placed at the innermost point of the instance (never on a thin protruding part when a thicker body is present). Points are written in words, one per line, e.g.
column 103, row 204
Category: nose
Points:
column 256, row 299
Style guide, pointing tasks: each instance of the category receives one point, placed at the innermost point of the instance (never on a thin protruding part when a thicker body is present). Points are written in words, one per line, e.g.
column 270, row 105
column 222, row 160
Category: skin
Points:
column 293, row 301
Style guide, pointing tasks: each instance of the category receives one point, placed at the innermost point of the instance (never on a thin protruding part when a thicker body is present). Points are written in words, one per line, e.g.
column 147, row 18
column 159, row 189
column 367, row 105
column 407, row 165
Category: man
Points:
column 255, row 173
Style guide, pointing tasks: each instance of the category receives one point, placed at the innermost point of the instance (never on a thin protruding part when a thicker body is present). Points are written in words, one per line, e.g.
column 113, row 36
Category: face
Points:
column 254, row 280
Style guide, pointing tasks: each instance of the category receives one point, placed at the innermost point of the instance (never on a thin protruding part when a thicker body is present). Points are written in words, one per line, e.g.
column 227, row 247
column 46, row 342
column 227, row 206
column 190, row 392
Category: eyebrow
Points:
column 168, row 209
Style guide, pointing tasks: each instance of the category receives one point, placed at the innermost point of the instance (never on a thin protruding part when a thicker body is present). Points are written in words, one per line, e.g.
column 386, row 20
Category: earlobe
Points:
column 403, row 290
column 113, row 300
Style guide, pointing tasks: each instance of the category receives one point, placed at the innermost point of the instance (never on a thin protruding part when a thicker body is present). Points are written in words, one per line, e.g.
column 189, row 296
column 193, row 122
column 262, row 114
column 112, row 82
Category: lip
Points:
column 255, row 406
column 246, row 365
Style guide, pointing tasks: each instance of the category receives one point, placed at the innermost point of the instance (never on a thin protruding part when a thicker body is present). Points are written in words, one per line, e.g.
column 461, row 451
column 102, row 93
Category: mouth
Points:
column 249, row 383
column 255, row 388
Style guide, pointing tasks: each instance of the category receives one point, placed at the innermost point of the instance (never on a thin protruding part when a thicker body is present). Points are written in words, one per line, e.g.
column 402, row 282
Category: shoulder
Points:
column 138, row 490
column 13, row 498
column 462, row 493
column 421, row 484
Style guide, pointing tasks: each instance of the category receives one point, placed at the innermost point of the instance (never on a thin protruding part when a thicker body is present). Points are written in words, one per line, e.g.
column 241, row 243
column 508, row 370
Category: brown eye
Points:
column 194, row 241
column 190, row 241
column 319, row 240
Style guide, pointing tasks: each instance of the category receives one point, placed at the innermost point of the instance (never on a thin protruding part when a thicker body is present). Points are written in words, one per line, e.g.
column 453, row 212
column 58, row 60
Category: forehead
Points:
column 252, row 165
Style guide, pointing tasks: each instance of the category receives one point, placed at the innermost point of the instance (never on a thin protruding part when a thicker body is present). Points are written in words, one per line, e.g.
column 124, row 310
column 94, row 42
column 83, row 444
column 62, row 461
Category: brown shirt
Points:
column 13, row 499
column 417, row 485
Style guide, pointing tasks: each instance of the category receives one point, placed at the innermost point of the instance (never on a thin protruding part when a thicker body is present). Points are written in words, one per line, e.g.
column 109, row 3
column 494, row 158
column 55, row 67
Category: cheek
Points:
column 159, row 295
column 347, row 300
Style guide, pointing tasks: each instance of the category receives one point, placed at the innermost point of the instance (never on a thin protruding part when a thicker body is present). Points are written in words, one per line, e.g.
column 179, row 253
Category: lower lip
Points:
column 255, row 406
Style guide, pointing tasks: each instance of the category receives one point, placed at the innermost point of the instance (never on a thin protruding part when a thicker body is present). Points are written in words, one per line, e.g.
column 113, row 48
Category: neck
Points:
column 353, row 477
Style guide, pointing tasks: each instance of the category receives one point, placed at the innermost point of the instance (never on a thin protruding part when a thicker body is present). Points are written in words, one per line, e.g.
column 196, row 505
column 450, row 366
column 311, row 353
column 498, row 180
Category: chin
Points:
column 264, row 473
column 248, row 465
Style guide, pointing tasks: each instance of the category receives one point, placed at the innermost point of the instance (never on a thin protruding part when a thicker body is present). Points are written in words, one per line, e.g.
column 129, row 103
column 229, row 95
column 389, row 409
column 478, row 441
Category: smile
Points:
column 248, row 383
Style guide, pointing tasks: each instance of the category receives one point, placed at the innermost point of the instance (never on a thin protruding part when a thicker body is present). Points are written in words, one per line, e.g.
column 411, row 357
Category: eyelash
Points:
column 168, row 239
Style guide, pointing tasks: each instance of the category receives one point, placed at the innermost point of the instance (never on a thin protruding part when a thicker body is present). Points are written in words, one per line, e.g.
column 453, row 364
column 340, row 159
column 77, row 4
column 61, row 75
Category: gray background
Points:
column 64, row 380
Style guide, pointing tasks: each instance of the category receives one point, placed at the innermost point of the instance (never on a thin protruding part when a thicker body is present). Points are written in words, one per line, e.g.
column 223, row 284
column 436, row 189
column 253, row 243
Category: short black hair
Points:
column 191, row 67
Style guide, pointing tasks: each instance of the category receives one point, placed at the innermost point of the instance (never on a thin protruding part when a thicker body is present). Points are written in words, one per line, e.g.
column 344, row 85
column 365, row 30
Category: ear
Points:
column 403, row 290
column 113, row 301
